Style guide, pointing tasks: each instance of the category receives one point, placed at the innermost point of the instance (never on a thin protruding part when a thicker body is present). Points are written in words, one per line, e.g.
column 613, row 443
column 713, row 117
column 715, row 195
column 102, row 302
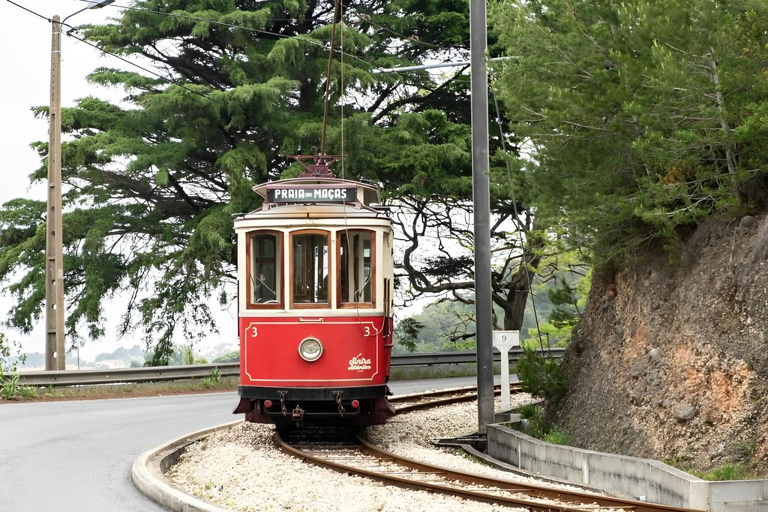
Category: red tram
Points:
column 315, row 303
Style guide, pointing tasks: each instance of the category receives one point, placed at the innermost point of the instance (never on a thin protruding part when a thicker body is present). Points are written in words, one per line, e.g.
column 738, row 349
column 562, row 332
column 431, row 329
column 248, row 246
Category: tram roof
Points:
column 333, row 212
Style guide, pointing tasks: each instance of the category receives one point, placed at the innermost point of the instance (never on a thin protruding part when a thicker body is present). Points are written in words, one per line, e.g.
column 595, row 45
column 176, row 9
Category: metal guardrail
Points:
column 466, row 356
column 199, row 371
column 125, row 375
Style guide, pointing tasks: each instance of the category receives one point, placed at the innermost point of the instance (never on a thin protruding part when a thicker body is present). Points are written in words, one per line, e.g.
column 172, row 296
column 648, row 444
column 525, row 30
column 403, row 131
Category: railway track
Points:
column 417, row 401
column 346, row 452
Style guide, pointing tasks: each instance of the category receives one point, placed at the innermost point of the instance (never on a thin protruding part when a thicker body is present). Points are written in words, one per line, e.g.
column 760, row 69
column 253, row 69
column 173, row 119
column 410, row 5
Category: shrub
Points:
column 557, row 436
column 728, row 472
column 541, row 375
column 213, row 380
column 9, row 373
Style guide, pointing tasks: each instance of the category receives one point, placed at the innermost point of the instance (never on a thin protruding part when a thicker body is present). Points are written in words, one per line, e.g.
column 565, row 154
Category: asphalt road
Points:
column 76, row 456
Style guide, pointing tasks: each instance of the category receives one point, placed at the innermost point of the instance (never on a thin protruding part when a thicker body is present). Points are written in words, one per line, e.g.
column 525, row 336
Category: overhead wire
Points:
column 105, row 52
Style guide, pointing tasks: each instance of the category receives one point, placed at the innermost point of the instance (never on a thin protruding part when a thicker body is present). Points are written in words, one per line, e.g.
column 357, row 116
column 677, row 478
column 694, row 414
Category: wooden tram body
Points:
column 315, row 304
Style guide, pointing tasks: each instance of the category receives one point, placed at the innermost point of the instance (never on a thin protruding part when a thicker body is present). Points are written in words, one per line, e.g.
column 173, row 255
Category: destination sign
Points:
column 311, row 195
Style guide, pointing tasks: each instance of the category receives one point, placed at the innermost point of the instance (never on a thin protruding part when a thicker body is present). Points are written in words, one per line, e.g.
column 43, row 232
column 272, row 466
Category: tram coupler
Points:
column 337, row 395
column 283, row 409
column 298, row 413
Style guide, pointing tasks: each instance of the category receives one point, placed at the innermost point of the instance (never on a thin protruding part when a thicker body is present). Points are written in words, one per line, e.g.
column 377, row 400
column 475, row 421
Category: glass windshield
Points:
column 310, row 268
column 356, row 266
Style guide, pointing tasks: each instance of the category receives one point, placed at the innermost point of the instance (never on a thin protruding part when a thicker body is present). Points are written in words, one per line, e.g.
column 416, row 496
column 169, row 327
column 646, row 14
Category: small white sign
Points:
column 506, row 338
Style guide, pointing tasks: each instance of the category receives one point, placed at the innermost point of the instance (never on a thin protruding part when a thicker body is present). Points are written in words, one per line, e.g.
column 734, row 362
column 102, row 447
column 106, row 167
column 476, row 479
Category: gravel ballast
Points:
column 242, row 469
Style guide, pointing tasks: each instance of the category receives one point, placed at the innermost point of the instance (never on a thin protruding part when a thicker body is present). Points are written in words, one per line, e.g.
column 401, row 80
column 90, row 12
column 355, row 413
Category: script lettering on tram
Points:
column 311, row 195
column 359, row 363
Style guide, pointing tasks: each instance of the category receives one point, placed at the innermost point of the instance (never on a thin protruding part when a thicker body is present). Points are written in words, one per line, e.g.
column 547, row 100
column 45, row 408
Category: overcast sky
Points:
column 25, row 83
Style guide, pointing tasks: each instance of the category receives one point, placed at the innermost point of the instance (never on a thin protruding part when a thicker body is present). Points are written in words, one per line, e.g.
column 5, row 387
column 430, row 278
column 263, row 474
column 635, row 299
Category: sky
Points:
column 26, row 64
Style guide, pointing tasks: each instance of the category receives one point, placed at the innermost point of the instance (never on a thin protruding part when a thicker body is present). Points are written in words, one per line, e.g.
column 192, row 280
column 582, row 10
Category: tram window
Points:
column 310, row 268
column 265, row 268
column 356, row 249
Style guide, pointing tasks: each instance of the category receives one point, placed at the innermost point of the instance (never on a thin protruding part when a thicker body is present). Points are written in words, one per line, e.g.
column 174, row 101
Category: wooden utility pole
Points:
column 55, row 355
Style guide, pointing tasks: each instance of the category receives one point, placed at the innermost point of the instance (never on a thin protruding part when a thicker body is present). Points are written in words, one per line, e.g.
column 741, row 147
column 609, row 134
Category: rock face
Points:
column 671, row 361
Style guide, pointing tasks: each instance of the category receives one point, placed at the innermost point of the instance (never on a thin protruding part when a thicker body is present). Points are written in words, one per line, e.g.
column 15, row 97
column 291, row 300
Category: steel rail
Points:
column 197, row 371
column 408, row 473
column 420, row 401
column 434, row 471
column 458, row 483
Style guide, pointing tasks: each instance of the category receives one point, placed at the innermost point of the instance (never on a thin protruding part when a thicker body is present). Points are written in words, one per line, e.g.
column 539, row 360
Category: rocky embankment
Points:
column 670, row 361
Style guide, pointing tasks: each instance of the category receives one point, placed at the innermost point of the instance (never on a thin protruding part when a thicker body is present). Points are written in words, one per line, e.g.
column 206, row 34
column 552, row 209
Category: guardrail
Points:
column 198, row 371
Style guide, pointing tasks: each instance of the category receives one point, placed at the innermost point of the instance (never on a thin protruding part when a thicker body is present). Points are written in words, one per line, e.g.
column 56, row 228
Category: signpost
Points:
column 310, row 194
column 505, row 340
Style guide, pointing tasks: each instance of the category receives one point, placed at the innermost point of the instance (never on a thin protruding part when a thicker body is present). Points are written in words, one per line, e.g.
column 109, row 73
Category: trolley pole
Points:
column 482, row 213
column 55, row 355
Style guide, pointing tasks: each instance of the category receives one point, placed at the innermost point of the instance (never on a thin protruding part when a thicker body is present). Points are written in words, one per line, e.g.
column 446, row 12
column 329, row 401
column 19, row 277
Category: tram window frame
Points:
column 252, row 260
column 340, row 260
column 292, row 270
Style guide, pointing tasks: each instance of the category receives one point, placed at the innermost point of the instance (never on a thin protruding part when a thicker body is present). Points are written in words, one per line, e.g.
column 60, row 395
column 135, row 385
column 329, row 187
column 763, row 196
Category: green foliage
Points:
column 536, row 424
column 541, row 375
column 557, row 436
column 9, row 384
column 187, row 355
column 641, row 117
column 27, row 392
column 178, row 355
column 567, row 293
column 9, row 373
column 736, row 471
column 214, row 379
column 152, row 182
column 408, row 331
column 534, row 421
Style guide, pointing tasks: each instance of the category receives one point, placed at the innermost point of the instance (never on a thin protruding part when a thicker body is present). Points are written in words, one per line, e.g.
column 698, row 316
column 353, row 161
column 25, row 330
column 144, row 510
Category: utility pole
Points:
column 55, row 355
column 481, row 196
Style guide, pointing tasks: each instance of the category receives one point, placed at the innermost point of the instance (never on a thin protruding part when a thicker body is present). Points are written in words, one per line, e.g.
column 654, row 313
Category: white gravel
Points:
column 241, row 469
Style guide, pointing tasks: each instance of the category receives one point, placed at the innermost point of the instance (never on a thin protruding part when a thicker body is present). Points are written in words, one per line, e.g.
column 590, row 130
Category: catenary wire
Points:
column 69, row 34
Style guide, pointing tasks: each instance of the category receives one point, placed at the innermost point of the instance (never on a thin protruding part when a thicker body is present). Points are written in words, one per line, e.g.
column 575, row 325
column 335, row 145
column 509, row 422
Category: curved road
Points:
column 76, row 456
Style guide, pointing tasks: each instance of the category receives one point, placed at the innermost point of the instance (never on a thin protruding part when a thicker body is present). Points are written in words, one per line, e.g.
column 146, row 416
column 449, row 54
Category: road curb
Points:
column 148, row 473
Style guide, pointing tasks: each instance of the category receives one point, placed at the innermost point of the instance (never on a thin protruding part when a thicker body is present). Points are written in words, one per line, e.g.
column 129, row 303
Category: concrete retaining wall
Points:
column 633, row 477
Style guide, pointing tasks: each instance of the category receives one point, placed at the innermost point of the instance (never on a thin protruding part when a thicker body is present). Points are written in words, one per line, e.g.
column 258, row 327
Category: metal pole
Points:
column 482, row 213
column 55, row 356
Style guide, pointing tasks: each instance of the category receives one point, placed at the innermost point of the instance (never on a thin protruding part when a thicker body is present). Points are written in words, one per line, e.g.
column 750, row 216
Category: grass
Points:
column 556, row 436
column 736, row 471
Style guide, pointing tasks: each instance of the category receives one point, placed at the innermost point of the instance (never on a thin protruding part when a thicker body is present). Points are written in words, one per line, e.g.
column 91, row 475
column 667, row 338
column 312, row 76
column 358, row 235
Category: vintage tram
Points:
column 315, row 279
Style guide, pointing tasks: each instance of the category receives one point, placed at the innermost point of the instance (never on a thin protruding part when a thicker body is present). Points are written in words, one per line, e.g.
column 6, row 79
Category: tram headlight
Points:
column 310, row 349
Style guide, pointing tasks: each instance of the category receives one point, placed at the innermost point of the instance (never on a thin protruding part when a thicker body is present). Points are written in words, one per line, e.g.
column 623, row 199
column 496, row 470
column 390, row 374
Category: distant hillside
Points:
column 135, row 353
